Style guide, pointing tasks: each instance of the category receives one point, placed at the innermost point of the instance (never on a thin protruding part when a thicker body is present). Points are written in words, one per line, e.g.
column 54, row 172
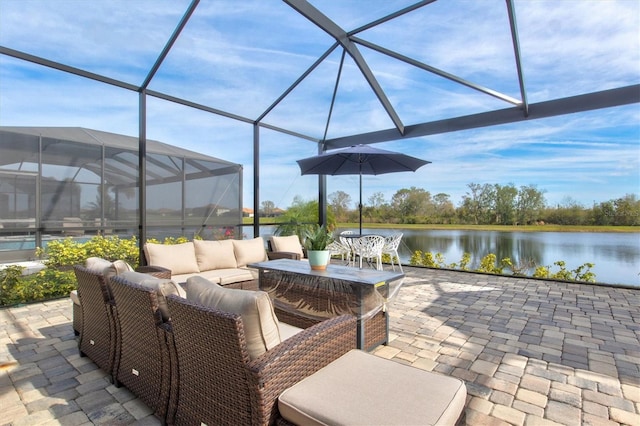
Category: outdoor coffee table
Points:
column 297, row 291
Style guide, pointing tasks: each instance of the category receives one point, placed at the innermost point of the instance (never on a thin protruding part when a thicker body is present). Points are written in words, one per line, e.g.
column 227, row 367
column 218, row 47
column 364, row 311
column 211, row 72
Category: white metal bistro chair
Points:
column 345, row 241
column 341, row 249
column 391, row 244
column 368, row 247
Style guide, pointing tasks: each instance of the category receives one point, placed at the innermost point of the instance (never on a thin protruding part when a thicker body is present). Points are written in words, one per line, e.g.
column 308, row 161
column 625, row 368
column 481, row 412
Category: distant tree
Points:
column 410, row 203
column 301, row 216
column 505, row 204
column 267, row 208
column 603, row 213
column 478, row 204
column 339, row 202
column 444, row 209
column 627, row 210
column 376, row 200
column 530, row 203
column 567, row 212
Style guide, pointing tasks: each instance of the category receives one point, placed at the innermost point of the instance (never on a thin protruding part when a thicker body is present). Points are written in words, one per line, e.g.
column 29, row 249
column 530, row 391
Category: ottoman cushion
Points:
column 363, row 389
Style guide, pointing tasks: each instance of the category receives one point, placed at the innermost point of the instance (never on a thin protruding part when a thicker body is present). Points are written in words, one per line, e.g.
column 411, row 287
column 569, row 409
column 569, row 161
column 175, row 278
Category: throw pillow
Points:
column 290, row 244
column 179, row 258
column 249, row 251
column 215, row 254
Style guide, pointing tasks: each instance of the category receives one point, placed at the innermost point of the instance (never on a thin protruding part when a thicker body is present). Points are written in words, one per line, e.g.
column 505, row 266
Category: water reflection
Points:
column 616, row 256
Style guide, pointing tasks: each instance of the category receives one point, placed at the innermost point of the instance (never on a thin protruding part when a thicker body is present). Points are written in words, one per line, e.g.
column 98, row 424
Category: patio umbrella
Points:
column 359, row 160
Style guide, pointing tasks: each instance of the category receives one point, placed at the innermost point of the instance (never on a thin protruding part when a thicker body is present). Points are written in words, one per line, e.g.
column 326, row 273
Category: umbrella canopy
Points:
column 359, row 160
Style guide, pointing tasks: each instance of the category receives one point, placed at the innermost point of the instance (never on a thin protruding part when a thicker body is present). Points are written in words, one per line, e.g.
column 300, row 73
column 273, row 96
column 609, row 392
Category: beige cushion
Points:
column 163, row 288
column 249, row 251
column 116, row 268
column 179, row 258
column 214, row 254
column 97, row 265
column 288, row 330
column 353, row 387
column 230, row 276
column 258, row 318
column 74, row 297
column 290, row 244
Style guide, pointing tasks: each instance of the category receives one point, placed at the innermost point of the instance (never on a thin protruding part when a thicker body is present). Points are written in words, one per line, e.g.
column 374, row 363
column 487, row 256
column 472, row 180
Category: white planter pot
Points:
column 318, row 259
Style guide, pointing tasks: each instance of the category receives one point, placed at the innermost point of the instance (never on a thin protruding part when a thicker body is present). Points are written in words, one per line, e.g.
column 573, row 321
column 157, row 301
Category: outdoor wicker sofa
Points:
column 206, row 360
column 234, row 389
column 223, row 262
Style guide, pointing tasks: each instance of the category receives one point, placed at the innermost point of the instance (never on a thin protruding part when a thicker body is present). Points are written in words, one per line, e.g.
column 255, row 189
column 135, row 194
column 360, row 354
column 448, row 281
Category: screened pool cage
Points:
column 266, row 83
column 75, row 182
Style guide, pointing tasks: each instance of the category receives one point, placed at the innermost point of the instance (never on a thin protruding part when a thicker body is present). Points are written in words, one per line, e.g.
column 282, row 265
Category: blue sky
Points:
column 240, row 56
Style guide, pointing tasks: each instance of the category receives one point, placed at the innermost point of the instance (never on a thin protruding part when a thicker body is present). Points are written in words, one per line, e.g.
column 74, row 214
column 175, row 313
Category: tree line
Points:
column 482, row 204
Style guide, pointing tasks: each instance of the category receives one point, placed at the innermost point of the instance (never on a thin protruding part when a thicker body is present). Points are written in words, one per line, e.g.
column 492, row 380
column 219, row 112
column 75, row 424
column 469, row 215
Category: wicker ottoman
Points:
column 363, row 389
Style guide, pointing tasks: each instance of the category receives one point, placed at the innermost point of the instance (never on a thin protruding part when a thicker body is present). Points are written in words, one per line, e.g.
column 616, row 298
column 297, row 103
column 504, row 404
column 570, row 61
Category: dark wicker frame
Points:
column 146, row 348
column 98, row 339
column 219, row 384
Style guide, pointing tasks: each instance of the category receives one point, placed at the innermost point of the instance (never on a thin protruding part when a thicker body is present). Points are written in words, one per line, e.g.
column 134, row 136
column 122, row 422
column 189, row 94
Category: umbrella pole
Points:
column 360, row 204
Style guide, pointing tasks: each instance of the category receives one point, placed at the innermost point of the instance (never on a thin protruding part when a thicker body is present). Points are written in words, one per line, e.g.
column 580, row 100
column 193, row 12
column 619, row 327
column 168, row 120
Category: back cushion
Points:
column 258, row 318
column 290, row 243
column 179, row 258
column 162, row 287
column 97, row 265
column 215, row 254
column 116, row 268
column 249, row 251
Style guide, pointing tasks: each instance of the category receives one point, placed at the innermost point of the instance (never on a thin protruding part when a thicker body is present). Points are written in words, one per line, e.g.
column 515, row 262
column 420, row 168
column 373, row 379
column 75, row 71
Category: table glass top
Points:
column 347, row 273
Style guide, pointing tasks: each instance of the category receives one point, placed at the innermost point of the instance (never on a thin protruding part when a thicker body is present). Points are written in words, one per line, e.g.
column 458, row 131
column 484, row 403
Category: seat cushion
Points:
column 249, row 251
column 215, row 254
column 179, row 258
column 289, row 243
column 162, row 286
column 258, row 318
column 363, row 389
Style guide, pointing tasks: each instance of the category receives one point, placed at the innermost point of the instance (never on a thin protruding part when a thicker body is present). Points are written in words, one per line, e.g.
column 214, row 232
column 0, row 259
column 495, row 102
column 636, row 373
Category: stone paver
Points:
column 531, row 352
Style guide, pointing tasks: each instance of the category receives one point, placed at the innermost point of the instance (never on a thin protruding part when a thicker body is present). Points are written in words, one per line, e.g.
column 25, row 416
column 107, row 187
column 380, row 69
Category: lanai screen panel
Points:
column 74, row 182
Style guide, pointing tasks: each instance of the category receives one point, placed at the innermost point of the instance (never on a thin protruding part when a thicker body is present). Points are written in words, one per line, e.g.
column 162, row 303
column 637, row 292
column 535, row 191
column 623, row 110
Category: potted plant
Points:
column 316, row 241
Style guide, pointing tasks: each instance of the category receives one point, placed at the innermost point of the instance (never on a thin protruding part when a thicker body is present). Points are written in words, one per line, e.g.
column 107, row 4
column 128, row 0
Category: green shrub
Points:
column 581, row 273
column 10, row 278
column 488, row 264
column 68, row 252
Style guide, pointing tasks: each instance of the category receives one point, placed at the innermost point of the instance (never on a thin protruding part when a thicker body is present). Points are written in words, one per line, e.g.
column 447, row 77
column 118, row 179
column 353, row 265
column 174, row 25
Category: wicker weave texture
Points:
column 144, row 365
column 219, row 385
column 97, row 337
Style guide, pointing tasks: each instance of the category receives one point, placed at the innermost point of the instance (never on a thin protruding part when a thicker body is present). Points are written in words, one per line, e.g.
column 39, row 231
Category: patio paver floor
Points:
column 531, row 353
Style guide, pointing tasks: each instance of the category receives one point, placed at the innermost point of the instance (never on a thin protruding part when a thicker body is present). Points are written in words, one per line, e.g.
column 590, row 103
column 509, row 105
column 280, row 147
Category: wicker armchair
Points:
column 98, row 335
column 219, row 384
column 98, row 330
column 146, row 364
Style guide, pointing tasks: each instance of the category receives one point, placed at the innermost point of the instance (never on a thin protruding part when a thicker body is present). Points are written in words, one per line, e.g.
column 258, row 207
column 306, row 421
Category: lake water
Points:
column 616, row 256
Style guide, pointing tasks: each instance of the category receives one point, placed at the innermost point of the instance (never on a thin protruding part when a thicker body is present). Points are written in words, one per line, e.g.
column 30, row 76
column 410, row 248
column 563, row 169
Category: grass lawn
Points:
column 505, row 228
